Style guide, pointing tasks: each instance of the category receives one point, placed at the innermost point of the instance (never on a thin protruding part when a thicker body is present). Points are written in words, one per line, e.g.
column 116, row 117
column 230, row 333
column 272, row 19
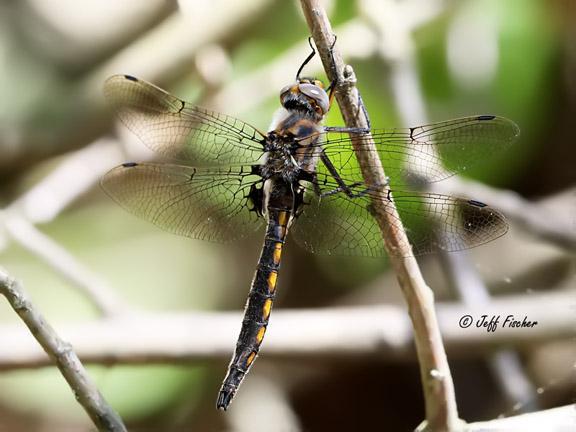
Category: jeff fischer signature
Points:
column 492, row 323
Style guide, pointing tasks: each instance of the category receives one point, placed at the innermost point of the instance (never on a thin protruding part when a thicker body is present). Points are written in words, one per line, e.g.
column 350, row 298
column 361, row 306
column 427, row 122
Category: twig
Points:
column 26, row 234
column 407, row 92
column 62, row 354
column 440, row 401
column 382, row 330
column 47, row 199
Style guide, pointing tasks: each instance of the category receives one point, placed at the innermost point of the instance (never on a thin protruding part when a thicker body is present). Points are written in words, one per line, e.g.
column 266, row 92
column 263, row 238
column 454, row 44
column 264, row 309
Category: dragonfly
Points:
column 224, row 179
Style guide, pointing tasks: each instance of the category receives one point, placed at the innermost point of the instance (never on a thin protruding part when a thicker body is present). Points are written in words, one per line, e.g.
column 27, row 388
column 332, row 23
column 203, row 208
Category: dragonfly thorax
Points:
column 279, row 158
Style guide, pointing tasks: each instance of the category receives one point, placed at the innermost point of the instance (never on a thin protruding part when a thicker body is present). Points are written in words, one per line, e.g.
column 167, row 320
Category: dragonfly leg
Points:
column 332, row 87
column 342, row 186
column 349, row 81
column 362, row 107
column 347, row 189
column 344, row 129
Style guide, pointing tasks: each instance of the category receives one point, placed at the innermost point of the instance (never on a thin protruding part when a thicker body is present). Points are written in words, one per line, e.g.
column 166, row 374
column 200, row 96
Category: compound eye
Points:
column 316, row 93
column 285, row 89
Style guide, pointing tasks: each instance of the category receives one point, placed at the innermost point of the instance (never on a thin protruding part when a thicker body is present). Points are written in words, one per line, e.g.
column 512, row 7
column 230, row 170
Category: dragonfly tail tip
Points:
column 224, row 399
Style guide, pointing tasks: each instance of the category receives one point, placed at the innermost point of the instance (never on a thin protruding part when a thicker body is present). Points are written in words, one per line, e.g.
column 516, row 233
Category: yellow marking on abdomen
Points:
column 283, row 218
column 260, row 335
column 250, row 359
column 277, row 253
column 266, row 309
column 272, row 277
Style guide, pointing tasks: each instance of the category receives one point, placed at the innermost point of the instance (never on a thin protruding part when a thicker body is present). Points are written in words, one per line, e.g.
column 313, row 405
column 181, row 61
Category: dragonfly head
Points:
column 308, row 95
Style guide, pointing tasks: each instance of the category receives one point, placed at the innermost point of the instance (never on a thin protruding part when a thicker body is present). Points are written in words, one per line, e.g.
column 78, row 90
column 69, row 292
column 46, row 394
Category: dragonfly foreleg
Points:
column 348, row 81
column 362, row 107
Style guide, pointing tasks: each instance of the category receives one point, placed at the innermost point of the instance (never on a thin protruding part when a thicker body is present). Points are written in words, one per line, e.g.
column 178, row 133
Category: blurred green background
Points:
column 514, row 58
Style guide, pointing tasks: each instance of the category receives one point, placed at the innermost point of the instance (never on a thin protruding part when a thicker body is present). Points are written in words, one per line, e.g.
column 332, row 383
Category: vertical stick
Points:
column 438, row 388
column 103, row 415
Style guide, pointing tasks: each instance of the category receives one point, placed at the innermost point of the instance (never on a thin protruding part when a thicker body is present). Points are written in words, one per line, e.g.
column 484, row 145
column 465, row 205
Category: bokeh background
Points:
column 415, row 61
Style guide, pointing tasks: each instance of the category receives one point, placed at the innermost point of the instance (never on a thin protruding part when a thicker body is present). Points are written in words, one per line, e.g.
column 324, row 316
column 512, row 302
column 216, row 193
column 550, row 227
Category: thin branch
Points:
column 62, row 354
column 407, row 93
column 440, row 401
column 44, row 202
column 344, row 332
column 27, row 235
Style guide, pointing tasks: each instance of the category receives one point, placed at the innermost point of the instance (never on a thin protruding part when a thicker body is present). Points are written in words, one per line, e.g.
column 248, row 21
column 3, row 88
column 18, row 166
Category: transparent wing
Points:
column 425, row 153
column 176, row 129
column 202, row 203
column 339, row 225
column 336, row 225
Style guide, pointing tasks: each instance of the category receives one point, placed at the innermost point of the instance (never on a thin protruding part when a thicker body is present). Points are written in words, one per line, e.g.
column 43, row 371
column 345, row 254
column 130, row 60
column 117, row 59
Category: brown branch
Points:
column 62, row 354
column 344, row 332
column 505, row 364
column 440, row 401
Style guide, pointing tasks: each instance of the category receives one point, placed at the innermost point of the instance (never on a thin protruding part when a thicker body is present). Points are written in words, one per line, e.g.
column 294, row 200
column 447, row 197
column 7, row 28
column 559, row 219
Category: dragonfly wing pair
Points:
column 206, row 195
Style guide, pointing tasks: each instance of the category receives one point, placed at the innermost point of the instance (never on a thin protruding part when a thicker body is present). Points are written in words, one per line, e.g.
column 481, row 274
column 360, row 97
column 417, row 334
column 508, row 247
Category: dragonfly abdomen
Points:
column 258, row 305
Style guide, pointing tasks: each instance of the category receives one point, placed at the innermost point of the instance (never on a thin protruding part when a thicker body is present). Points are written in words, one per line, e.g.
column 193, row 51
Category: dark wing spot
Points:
column 129, row 164
column 476, row 203
column 131, row 78
column 486, row 117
